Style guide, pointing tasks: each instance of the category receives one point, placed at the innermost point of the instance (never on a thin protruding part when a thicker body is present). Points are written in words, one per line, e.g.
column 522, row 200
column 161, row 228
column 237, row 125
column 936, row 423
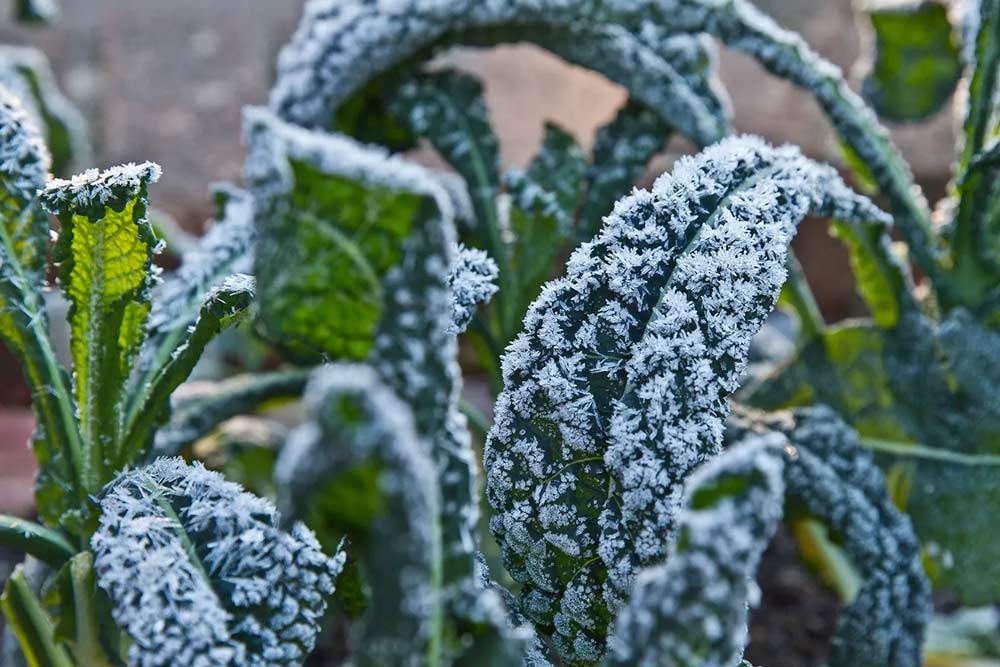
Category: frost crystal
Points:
column 92, row 191
column 340, row 46
column 693, row 609
column 473, row 281
column 199, row 573
column 24, row 160
column 616, row 389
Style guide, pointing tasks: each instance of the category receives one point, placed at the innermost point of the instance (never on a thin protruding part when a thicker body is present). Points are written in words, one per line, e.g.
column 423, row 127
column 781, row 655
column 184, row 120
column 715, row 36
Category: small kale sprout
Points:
column 199, row 573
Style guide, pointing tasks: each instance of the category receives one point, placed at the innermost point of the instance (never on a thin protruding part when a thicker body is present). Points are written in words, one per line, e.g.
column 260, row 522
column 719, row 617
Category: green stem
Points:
column 33, row 628
column 918, row 451
column 802, row 301
column 45, row 544
column 87, row 648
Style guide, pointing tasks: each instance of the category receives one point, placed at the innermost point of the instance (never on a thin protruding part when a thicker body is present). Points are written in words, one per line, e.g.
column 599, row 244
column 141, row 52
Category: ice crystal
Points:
column 473, row 281
column 616, row 389
column 355, row 420
column 91, row 191
column 199, row 573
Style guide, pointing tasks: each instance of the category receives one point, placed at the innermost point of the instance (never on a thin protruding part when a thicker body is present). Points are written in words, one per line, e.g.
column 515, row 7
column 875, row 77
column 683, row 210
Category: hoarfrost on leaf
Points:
column 616, row 389
column 199, row 573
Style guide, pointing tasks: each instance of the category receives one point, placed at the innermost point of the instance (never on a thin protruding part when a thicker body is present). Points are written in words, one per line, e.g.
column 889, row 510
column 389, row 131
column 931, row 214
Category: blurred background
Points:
column 165, row 81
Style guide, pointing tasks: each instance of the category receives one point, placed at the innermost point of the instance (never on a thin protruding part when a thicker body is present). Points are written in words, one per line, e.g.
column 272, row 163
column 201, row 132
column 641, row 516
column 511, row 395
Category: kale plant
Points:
column 630, row 502
column 122, row 541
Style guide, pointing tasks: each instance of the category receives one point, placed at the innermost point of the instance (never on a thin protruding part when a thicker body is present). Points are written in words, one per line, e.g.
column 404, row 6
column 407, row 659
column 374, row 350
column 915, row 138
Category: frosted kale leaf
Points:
column 224, row 306
column 473, row 282
column 26, row 73
column 973, row 229
column 915, row 61
column 332, row 216
column 24, row 237
column 199, row 573
column 104, row 254
column 693, row 609
column 616, row 389
column 339, row 47
column 833, row 478
column 447, row 108
column 942, row 435
column 622, row 149
column 358, row 468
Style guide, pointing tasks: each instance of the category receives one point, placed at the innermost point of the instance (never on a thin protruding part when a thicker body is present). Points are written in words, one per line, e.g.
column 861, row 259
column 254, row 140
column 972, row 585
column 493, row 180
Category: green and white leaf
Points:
column 105, row 258
column 24, row 165
column 617, row 387
column 622, row 149
column 25, row 71
column 224, row 306
column 199, row 573
column 693, row 609
column 357, row 468
column 331, row 219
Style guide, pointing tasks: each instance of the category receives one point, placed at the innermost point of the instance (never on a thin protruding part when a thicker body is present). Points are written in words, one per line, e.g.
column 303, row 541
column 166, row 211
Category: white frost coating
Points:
column 473, row 281
column 616, row 389
column 341, row 45
column 692, row 610
column 24, row 159
column 838, row 481
column 271, row 142
column 198, row 572
column 354, row 419
column 26, row 72
column 94, row 190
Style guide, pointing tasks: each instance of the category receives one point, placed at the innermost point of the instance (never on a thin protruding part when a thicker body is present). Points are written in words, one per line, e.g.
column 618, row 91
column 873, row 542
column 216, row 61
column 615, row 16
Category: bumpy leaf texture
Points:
column 830, row 475
column 973, row 231
column 105, row 257
column 24, row 165
column 357, row 429
column 340, row 46
column 332, row 217
column 616, row 389
column 199, row 573
column 26, row 72
column 473, row 282
column 693, row 609
column 945, row 435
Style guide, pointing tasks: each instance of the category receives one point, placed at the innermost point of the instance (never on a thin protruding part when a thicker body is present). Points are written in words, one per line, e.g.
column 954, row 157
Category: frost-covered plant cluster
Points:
column 631, row 504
